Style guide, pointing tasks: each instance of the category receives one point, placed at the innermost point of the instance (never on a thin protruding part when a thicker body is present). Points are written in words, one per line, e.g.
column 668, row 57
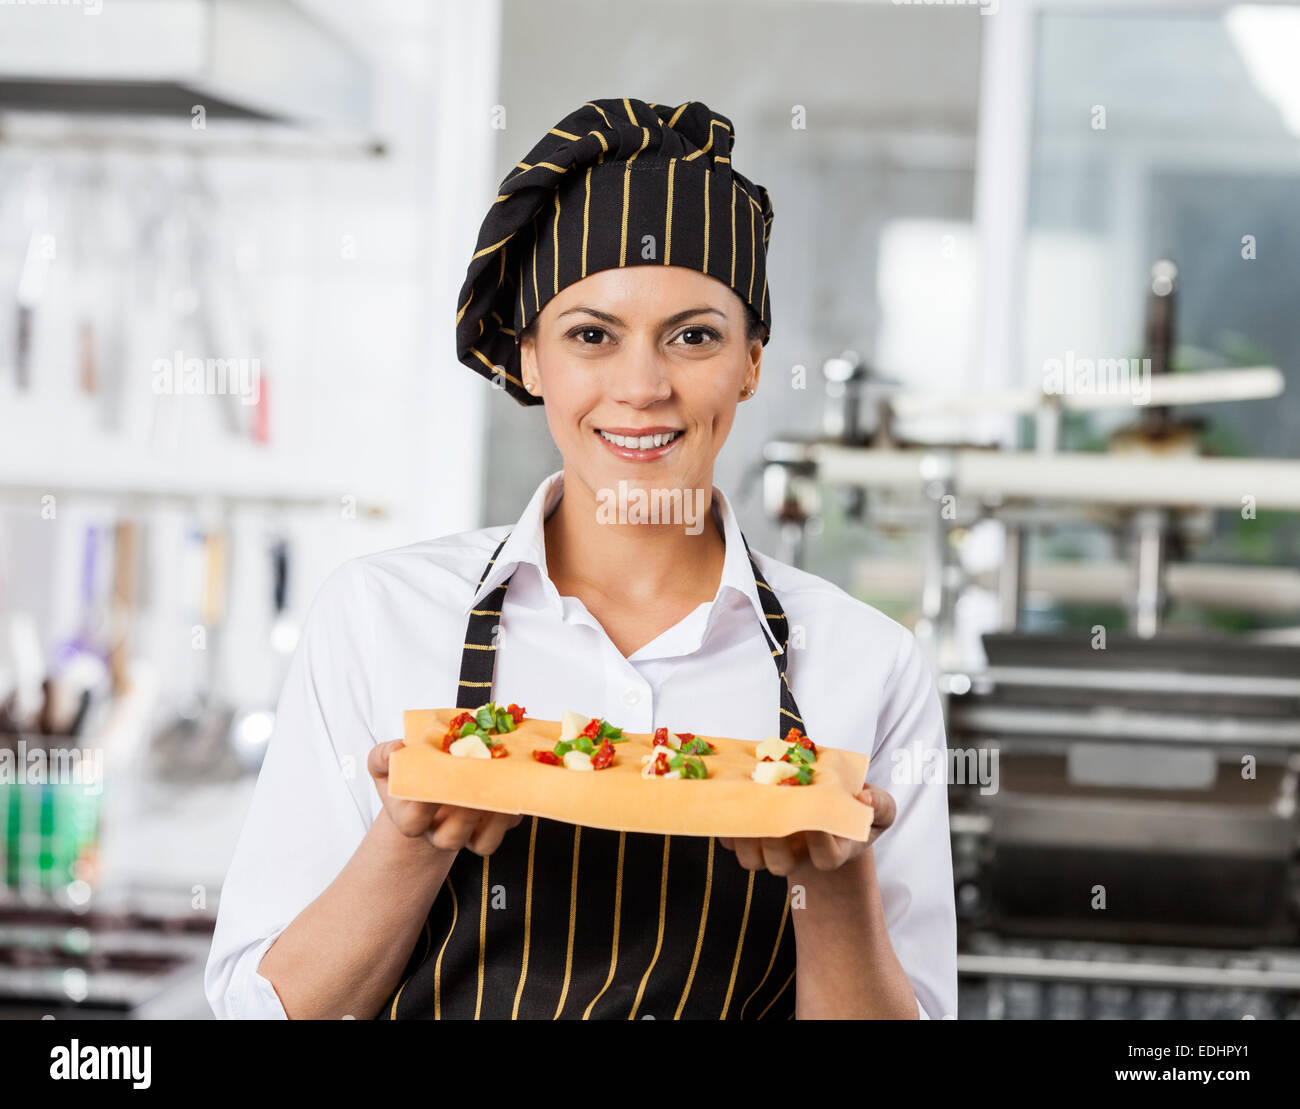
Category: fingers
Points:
column 776, row 855
column 785, row 855
column 781, row 856
column 413, row 818
column 491, row 831
column 825, row 851
column 377, row 759
column 455, row 829
column 883, row 807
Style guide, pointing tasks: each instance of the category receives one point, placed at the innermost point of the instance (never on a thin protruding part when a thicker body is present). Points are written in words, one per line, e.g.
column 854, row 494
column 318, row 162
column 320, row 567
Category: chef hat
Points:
column 614, row 183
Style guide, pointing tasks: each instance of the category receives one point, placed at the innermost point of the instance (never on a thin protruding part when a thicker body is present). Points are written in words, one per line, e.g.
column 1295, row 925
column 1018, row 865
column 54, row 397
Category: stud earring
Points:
column 747, row 393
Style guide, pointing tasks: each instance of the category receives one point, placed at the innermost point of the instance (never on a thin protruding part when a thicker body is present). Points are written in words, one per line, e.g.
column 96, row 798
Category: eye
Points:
column 587, row 330
column 706, row 334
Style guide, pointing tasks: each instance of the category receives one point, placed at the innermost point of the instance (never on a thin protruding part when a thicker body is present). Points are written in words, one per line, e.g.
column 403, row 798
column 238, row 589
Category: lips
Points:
column 639, row 439
column 626, row 442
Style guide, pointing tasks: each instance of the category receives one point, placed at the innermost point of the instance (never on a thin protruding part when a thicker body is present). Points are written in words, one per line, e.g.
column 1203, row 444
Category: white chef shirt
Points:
column 386, row 631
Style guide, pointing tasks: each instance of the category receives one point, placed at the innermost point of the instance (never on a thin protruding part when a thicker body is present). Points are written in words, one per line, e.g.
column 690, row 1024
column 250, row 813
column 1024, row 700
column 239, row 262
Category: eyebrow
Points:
column 676, row 318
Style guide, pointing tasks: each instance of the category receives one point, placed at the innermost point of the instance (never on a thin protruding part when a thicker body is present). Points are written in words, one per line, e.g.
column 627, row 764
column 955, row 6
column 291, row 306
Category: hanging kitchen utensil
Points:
column 251, row 729
column 79, row 667
column 194, row 745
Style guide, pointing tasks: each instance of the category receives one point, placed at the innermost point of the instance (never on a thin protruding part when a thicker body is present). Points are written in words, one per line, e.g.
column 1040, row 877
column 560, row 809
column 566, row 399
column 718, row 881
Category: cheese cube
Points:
column 470, row 747
column 771, row 773
column 771, row 748
column 571, row 725
column 578, row 760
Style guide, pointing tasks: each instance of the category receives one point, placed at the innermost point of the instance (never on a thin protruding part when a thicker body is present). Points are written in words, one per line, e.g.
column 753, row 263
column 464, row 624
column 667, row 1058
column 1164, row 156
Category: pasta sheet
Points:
column 726, row 803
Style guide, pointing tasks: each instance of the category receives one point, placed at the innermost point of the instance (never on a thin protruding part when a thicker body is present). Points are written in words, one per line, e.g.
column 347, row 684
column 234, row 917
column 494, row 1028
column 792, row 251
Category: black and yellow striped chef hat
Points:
column 618, row 182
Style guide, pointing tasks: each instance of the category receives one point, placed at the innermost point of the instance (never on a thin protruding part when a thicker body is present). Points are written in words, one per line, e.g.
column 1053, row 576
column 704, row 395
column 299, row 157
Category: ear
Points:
column 754, row 369
column 528, row 363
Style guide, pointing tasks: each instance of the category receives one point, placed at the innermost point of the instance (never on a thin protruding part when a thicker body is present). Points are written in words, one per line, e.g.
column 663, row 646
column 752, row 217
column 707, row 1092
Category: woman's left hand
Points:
column 821, row 850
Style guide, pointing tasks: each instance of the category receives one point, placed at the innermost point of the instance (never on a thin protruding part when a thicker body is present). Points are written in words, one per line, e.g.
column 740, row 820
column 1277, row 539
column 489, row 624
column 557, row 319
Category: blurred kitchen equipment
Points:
column 1122, row 804
column 79, row 669
column 123, row 601
column 27, row 699
column 251, row 729
column 194, row 744
column 31, row 287
column 129, row 956
column 198, row 54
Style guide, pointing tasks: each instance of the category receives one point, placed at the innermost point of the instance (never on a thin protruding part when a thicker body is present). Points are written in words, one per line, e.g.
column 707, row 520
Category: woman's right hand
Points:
column 447, row 827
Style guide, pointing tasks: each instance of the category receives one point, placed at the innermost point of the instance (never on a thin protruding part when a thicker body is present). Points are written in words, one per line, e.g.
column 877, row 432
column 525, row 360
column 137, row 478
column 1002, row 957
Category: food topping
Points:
column 470, row 747
column 696, row 745
column 771, row 773
column 664, row 763
column 686, row 742
column 577, row 760
column 485, row 724
column 786, row 761
column 591, row 738
column 604, row 754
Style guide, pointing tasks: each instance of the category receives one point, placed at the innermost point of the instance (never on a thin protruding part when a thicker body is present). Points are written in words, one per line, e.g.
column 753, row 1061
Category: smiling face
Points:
column 641, row 351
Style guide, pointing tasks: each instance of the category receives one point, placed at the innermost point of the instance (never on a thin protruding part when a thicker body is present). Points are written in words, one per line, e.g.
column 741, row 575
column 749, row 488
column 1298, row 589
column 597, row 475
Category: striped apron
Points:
column 567, row 922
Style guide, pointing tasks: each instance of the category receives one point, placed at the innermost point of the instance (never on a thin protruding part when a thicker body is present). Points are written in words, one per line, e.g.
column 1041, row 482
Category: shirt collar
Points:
column 527, row 543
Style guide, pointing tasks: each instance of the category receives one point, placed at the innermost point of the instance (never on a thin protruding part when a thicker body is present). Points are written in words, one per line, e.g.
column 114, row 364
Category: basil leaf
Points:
column 483, row 718
column 583, row 743
column 467, row 728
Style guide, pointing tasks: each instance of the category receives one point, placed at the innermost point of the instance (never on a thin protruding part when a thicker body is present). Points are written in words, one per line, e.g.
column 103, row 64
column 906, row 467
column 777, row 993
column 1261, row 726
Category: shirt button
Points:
column 632, row 695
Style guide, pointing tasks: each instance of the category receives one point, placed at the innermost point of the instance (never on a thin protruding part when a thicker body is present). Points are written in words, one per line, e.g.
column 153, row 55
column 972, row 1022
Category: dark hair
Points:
column 753, row 327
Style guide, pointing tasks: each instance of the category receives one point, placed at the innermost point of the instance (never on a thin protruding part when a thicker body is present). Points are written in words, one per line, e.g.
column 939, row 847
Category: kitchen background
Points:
column 963, row 194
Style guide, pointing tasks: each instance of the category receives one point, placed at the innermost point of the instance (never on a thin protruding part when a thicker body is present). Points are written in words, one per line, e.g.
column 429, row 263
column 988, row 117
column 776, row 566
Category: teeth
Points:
column 643, row 442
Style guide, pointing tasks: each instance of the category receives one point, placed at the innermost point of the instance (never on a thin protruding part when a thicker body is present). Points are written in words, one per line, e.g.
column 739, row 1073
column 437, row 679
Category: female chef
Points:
column 619, row 280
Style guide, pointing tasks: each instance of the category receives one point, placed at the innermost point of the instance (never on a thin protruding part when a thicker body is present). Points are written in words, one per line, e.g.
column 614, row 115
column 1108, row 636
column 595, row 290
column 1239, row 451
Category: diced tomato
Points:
column 548, row 757
column 604, row 755
column 794, row 735
column 685, row 737
column 592, row 728
column 660, row 763
column 768, row 758
column 453, row 729
column 516, row 713
column 661, row 738
column 499, row 751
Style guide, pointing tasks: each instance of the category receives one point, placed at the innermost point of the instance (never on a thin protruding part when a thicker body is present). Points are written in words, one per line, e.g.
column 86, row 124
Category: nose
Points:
column 641, row 377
